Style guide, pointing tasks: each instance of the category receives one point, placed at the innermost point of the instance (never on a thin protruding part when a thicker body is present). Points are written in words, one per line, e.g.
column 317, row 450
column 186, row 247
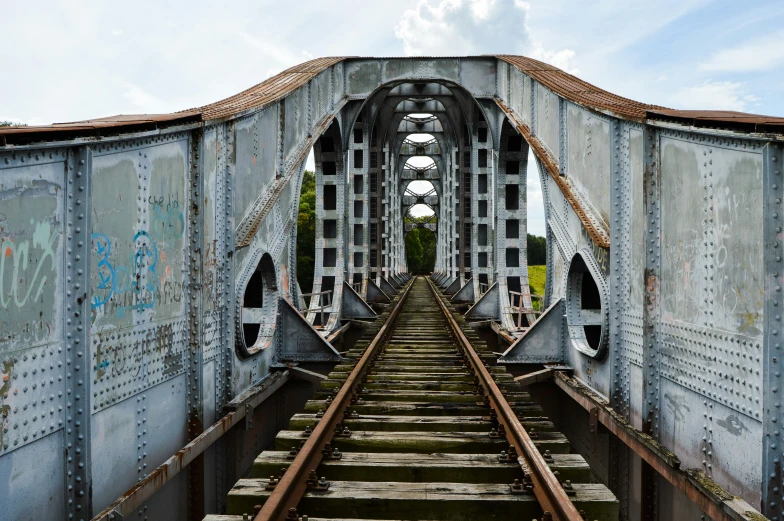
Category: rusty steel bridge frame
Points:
column 149, row 297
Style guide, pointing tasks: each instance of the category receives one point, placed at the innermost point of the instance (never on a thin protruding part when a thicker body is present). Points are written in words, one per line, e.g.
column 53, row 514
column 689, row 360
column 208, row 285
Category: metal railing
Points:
column 517, row 306
column 322, row 307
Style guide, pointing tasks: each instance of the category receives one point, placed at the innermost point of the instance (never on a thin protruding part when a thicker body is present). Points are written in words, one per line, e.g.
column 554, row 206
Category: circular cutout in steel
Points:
column 586, row 306
column 259, row 310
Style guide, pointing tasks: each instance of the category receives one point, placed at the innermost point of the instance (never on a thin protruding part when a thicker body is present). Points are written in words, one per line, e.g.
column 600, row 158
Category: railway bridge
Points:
column 155, row 340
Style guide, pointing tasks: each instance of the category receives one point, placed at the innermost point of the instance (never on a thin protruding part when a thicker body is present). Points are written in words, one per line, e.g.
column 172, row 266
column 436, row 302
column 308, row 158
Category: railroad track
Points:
column 417, row 423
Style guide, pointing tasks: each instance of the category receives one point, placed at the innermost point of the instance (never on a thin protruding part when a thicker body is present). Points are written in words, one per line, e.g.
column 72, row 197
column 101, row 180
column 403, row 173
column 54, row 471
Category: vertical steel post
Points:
column 195, row 369
column 225, row 360
column 78, row 468
column 773, row 365
column 620, row 224
column 651, row 310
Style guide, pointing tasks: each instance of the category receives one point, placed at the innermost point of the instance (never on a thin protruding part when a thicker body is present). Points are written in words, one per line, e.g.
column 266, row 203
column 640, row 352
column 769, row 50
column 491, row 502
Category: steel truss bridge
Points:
column 149, row 298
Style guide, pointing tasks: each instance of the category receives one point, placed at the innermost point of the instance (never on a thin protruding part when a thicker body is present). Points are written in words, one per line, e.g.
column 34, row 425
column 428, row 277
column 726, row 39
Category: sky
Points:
column 76, row 59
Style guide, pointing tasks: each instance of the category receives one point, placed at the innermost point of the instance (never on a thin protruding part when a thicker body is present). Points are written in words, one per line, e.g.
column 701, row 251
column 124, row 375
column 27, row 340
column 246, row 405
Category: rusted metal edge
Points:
column 267, row 92
column 720, row 119
column 133, row 498
column 292, row 484
column 249, row 225
column 598, row 234
column 535, row 377
column 336, row 334
column 304, row 374
column 546, row 487
column 579, row 91
column 96, row 130
column 699, row 488
column 503, row 333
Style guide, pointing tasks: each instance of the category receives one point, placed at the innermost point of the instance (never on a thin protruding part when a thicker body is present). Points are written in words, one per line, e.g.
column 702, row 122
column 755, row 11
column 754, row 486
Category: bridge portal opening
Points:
column 259, row 307
column 421, row 189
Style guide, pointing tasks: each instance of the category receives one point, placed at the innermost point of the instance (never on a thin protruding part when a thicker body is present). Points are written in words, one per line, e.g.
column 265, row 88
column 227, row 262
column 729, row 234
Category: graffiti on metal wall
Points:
column 115, row 359
column 30, row 250
column 138, row 239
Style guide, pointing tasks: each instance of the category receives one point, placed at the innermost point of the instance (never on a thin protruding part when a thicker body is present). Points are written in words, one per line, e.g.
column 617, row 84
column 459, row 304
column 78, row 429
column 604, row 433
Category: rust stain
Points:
column 579, row 91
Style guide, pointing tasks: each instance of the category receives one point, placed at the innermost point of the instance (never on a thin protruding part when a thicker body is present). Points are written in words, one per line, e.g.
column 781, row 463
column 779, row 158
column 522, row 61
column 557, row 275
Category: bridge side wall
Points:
column 684, row 287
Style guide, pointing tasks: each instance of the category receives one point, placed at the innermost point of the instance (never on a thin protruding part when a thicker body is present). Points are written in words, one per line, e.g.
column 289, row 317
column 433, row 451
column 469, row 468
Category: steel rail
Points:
column 293, row 484
column 546, row 487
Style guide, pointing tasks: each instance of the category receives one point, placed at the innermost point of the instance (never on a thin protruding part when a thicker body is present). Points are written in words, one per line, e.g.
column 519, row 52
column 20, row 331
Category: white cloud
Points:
column 117, row 32
column 146, row 103
column 716, row 95
column 467, row 27
column 756, row 55
column 458, row 27
column 565, row 59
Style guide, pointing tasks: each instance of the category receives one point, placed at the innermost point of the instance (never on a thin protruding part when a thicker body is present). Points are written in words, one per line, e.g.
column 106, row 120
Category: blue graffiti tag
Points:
column 133, row 289
column 103, row 247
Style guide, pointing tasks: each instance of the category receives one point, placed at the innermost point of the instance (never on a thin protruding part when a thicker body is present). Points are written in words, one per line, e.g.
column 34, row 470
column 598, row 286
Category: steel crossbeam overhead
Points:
column 149, row 276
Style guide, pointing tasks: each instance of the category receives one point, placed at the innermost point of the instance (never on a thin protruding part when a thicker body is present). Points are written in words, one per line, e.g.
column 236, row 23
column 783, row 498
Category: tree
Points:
column 306, row 233
column 537, row 250
column 421, row 250
column 11, row 124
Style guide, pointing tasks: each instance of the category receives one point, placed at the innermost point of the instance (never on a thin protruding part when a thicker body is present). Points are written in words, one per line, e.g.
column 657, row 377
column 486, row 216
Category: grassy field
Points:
column 536, row 280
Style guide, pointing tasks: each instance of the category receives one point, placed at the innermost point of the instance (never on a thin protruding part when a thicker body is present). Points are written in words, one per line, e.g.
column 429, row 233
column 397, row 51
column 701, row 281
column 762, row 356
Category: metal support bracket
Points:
column 542, row 342
column 454, row 287
column 301, row 343
column 487, row 306
column 466, row 293
column 375, row 294
column 387, row 288
column 353, row 306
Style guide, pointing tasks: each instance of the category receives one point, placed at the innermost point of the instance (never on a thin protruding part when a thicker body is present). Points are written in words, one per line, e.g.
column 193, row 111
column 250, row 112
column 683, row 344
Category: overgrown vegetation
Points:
column 11, row 124
column 421, row 250
column 537, row 250
column 306, row 233
column 536, row 279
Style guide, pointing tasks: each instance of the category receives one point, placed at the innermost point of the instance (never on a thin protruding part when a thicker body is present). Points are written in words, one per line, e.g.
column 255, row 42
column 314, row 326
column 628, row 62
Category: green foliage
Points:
column 306, row 233
column 537, row 250
column 421, row 219
column 537, row 278
column 11, row 124
column 421, row 250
